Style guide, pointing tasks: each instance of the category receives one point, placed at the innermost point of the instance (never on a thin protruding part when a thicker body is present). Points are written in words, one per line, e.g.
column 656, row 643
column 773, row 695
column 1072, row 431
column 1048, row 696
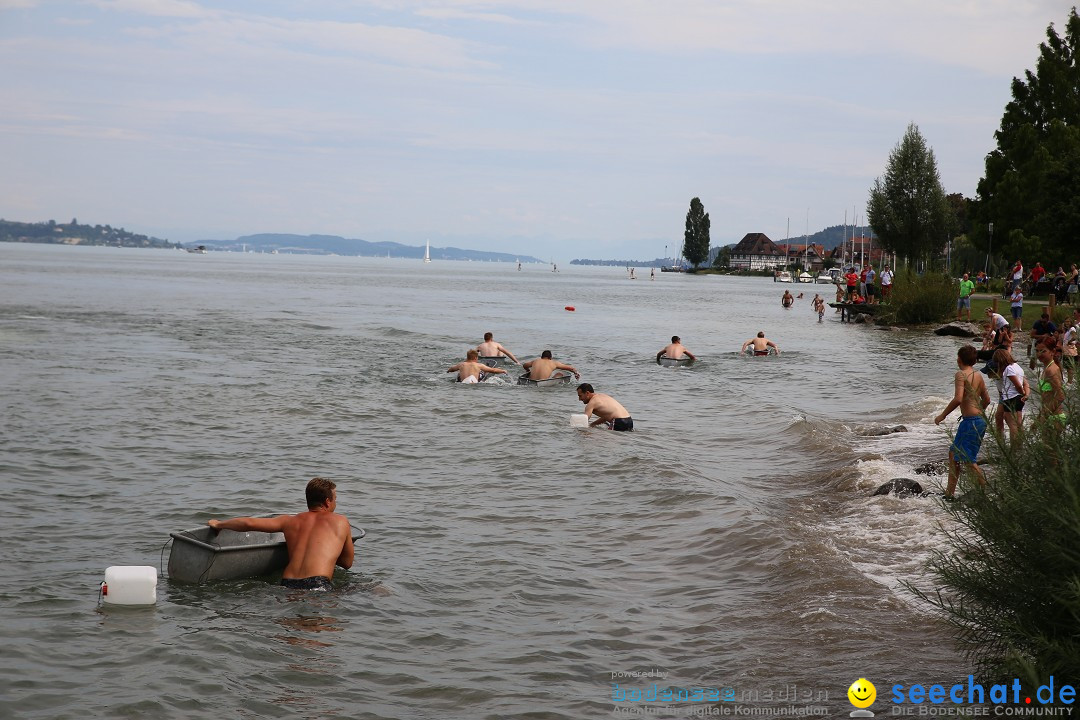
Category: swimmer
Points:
column 471, row 371
column 317, row 540
column 675, row 350
column 761, row 345
column 544, row 367
column 490, row 348
column 606, row 408
column 787, row 300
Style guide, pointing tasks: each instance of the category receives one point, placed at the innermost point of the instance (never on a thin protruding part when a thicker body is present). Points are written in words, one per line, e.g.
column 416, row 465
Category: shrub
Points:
column 1011, row 578
column 922, row 299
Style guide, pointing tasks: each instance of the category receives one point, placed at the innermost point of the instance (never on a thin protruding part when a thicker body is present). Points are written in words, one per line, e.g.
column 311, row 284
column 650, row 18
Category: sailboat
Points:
column 427, row 252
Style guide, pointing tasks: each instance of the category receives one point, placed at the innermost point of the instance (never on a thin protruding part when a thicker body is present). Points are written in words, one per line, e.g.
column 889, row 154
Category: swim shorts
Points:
column 969, row 436
column 315, row 582
column 759, row 353
column 625, row 424
column 1013, row 404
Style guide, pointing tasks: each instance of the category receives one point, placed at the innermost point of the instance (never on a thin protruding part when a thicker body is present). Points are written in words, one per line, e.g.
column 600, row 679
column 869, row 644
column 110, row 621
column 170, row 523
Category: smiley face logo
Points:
column 862, row 693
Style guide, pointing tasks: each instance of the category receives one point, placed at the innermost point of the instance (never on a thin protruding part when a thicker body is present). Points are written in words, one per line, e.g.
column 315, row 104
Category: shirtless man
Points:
column 471, row 371
column 490, row 348
column 787, row 299
column 606, row 408
column 761, row 345
column 317, row 540
column 675, row 350
column 971, row 396
column 543, row 367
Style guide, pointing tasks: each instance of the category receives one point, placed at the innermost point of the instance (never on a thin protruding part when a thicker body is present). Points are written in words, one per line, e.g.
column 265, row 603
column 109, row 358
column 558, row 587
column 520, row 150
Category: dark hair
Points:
column 546, row 354
column 675, row 338
column 967, row 354
column 488, row 336
column 761, row 333
column 585, row 387
column 318, row 492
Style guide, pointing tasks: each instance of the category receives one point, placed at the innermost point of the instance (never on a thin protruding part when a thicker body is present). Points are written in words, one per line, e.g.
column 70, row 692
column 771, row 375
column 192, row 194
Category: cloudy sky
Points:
column 555, row 128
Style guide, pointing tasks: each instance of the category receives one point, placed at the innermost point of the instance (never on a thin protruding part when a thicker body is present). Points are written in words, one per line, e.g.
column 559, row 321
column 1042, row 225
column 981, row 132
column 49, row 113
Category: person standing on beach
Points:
column 972, row 397
column 1016, row 307
column 852, row 279
column 886, row 284
column 870, row 289
column 964, row 301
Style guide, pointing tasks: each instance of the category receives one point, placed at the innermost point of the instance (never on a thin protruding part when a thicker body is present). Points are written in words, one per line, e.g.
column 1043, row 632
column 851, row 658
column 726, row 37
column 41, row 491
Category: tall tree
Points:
column 696, row 237
column 1031, row 189
column 907, row 208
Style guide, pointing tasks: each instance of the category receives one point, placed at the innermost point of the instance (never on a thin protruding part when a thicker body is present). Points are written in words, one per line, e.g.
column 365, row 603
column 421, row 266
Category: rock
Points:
column 875, row 432
column 934, row 467
column 863, row 318
column 959, row 329
column 900, row 487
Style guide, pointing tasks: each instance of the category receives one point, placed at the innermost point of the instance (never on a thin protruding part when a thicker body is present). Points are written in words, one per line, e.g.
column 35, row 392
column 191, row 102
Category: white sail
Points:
column 427, row 252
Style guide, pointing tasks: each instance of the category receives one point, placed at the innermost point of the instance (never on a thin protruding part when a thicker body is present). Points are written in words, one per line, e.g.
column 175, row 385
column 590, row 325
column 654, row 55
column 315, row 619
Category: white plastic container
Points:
column 579, row 420
column 130, row 585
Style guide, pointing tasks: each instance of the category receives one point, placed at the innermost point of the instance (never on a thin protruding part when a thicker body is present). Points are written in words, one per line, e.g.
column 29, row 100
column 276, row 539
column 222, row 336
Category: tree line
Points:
column 75, row 234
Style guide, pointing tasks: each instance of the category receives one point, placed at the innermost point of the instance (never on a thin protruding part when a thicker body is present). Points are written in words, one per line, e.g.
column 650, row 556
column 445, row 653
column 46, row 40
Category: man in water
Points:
column 971, row 396
column 606, row 408
column 761, row 345
column 543, row 367
column 317, row 540
column 471, row 371
column 787, row 299
column 490, row 348
column 675, row 350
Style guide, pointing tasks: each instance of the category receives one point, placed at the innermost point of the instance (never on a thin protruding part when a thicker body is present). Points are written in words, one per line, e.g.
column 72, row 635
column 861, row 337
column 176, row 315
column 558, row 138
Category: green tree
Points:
column 1031, row 189
column 696, row 237
column 907, row 208
column 723, row 258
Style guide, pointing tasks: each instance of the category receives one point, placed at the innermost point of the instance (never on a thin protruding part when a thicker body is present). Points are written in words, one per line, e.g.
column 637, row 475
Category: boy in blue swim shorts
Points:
column 972, row 397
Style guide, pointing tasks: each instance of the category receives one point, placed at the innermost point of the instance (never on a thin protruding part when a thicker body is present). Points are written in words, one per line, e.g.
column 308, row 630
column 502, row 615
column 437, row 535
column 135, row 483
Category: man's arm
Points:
column 660, row 354
column 345, row 559
column 244, row 524
column 746, row 345
column 771, row 344
column 495, row 370
column 958, row 395
column 571, row 368
column 689, row 354
column 508, row 354
column 454, row 368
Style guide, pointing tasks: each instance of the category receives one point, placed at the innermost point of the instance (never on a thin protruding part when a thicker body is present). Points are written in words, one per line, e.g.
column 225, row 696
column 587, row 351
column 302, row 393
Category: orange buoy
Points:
column 569, row 308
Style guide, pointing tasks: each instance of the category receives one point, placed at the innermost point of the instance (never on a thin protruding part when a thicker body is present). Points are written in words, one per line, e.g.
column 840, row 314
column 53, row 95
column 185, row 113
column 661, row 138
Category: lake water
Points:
column 514, row 567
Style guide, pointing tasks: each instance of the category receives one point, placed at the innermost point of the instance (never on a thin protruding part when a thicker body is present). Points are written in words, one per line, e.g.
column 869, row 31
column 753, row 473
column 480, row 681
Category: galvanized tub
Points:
column 203, row 554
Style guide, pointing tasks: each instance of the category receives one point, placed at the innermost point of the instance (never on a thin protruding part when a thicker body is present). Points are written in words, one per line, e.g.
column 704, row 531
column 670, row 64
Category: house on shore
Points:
column 757, row 252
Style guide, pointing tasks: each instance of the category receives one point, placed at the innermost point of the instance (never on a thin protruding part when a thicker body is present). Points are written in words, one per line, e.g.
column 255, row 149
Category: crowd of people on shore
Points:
column 1051, row 347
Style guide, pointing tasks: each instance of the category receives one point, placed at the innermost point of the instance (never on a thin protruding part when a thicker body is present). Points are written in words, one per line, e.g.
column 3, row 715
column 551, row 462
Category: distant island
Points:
column 336, row 245
column 73, row 233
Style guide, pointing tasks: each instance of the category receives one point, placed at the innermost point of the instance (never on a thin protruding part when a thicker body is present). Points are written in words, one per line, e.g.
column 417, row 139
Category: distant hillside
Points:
column 73, row 233
column 830, row 237
column 336, row 245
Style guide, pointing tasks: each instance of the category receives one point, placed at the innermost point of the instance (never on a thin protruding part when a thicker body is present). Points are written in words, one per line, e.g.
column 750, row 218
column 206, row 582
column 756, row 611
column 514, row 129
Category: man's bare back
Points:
column 543, row 368
column 490, row 348
column 675, row 351
column 472, row 369
column 317, row 539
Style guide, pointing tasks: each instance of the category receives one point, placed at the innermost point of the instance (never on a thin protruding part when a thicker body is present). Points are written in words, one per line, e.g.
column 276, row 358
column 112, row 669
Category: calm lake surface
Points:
column 514, row 567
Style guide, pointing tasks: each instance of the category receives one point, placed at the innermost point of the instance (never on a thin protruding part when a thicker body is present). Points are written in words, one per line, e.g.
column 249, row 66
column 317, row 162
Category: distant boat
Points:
column 782, row 276
column 824, row 279
column 427, row 252
column 805, row 277
column 201, row 250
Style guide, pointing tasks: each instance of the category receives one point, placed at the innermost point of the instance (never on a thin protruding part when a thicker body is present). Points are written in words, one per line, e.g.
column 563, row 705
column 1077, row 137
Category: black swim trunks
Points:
column 625, row 424
column 315, row 582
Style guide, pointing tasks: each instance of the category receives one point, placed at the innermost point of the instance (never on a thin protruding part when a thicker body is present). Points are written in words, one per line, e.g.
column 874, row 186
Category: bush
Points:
column 1011, row 578
column 915, row 299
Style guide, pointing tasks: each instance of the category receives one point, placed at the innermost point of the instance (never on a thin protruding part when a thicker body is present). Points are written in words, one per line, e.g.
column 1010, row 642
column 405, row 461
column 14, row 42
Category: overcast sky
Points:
column 554, row 128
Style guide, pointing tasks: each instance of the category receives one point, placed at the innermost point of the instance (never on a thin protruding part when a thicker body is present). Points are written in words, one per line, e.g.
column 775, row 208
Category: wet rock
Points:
column 900, row 487
column 863, row 318
column 878, row 431
column 959, row 329
column 934, row 467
